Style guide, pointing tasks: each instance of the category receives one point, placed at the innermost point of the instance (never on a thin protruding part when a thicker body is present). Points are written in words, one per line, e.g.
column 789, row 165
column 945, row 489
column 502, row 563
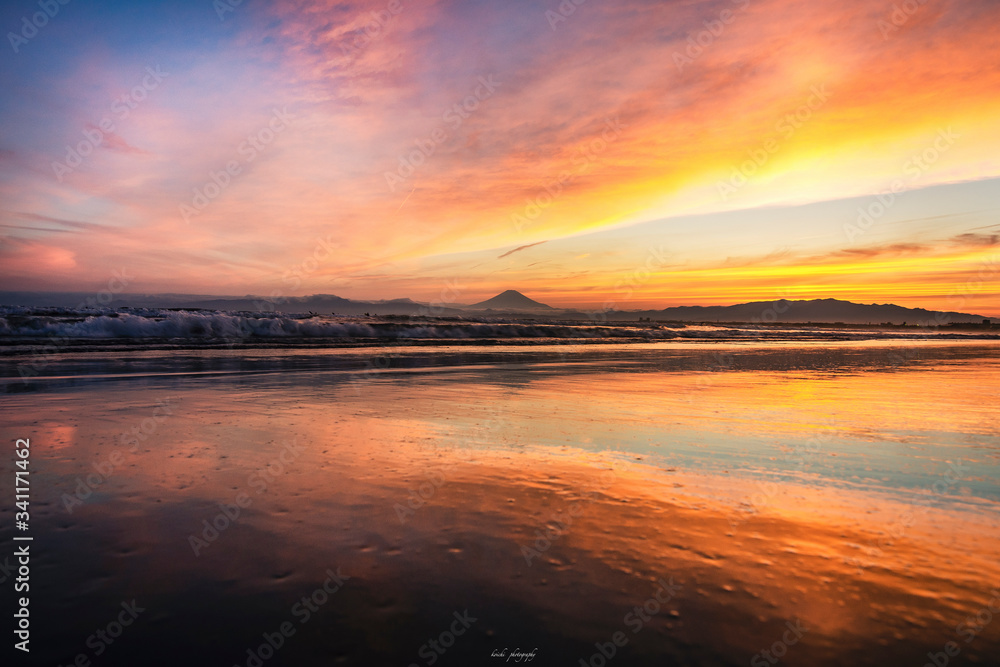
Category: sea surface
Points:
column 829, row 497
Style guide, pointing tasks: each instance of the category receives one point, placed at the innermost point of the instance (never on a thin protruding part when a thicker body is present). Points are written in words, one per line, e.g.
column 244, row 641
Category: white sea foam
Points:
column 20, row 322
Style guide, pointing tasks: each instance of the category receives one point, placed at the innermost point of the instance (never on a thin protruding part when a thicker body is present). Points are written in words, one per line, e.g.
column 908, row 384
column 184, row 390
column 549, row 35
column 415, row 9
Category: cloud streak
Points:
column 520, row 248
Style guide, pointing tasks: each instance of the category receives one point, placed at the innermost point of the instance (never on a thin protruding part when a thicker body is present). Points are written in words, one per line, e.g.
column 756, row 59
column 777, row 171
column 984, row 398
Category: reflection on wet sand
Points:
column 824, row 517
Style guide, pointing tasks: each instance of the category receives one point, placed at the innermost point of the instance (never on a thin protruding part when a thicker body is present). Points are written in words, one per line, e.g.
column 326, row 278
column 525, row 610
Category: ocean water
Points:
column 716, row 499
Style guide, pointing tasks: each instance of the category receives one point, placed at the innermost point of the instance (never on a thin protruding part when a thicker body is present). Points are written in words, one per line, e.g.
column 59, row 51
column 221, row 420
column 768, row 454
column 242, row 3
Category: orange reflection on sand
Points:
column 494, row 487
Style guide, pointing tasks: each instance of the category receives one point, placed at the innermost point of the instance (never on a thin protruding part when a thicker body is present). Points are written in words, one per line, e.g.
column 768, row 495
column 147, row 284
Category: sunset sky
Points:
column 625, row 152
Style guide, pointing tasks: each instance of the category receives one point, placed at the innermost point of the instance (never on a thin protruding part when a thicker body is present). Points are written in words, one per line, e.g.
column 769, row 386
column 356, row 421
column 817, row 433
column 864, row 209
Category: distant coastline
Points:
column 825, row 312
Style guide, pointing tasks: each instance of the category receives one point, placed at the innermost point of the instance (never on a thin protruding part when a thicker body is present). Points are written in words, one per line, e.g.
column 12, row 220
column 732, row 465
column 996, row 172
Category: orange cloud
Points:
column 625, row 113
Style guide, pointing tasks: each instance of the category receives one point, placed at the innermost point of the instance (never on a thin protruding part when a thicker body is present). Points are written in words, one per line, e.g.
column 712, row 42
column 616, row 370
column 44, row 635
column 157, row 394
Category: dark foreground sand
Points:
column 520, row 496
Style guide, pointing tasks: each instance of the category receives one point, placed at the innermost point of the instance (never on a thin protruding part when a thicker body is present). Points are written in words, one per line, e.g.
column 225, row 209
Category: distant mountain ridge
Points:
column 512, row 303
column 812, row 310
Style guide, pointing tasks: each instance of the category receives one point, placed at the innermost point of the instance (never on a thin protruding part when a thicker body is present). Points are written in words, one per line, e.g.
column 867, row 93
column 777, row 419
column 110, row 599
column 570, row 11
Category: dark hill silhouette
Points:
column 813, row 310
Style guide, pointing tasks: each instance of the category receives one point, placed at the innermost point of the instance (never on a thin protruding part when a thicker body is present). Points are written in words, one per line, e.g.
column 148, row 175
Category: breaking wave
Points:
column 135, row 323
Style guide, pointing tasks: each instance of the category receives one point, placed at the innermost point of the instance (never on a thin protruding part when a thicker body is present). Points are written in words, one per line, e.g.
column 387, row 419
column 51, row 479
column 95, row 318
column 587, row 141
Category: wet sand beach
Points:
column 662, row 504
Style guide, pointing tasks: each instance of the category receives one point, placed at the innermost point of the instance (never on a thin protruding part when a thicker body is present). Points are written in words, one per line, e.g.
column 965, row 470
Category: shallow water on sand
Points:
column 827, row 503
